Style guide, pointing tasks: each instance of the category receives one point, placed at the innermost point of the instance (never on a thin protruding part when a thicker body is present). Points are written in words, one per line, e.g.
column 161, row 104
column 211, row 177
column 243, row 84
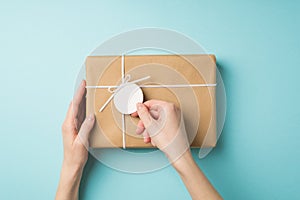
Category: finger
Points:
column 154, row 114
column 135, row 114
column 80, row 94
column 80, row 113
column 140, row 128
column 149, row 104
column 159, row 112
column 68, row 125
column 144, row 114
column 152, row 102
column 85, row 129
column 146, row 136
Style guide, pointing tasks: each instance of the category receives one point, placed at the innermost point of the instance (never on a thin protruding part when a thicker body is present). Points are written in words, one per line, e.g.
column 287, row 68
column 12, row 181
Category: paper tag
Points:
column 127, row 97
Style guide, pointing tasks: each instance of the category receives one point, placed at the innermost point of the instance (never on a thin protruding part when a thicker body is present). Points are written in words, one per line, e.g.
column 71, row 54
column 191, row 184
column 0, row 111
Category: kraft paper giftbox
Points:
column 196, row 103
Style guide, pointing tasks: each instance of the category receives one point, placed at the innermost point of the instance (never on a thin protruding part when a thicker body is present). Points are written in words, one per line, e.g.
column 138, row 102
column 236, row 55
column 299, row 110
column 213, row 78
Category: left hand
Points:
column 76, row 131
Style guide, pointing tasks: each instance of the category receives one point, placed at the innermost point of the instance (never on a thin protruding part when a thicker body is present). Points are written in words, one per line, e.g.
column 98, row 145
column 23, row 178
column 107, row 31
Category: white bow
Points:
column 125, row 81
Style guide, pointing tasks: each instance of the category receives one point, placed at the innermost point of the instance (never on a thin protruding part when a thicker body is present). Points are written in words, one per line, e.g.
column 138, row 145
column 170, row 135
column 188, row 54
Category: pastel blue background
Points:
column 43, row 44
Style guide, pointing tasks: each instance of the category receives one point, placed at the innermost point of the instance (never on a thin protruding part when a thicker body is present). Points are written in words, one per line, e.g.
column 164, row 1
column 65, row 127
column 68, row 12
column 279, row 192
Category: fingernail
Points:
column 146, row 139
column 139, row 106
column 91, row 117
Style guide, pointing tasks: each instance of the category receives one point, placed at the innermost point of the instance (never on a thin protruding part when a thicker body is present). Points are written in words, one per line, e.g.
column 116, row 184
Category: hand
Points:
column 75, row 132
column 162, row 124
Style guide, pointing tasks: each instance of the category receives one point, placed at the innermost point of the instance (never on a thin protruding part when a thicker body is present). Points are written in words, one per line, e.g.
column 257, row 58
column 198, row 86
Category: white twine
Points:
column 125, row 81
column 155, row 86
column 123, row 116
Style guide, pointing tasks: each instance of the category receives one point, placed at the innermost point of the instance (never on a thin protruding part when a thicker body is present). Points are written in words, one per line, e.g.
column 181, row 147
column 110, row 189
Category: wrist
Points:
column 69, row 182
column 183, row 163
column 71, row 171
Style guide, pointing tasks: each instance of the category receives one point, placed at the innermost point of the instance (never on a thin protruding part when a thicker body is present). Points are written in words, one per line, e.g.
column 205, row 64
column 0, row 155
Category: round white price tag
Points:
column 127, row 97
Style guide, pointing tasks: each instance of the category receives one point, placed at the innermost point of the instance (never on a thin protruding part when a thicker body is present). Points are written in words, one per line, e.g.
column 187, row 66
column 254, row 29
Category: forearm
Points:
column 195, row 181
column 69, row 183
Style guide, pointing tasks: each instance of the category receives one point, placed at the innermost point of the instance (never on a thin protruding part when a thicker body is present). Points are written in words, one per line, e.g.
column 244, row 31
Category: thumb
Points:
column 85, row 130
column 144, row 114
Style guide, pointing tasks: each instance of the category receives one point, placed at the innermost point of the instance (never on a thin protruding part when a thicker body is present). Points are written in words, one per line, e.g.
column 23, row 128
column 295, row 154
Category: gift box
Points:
column 186, row 80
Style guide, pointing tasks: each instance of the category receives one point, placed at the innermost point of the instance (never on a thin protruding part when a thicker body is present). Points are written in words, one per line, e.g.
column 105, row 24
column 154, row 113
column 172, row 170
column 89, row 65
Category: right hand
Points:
column 161, row 123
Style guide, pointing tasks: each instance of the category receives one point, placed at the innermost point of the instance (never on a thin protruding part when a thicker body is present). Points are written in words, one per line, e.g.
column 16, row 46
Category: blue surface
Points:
column 257, row 45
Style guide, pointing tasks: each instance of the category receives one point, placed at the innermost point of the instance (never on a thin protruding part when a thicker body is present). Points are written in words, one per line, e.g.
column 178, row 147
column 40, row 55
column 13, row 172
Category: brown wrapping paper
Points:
column 197, row 103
